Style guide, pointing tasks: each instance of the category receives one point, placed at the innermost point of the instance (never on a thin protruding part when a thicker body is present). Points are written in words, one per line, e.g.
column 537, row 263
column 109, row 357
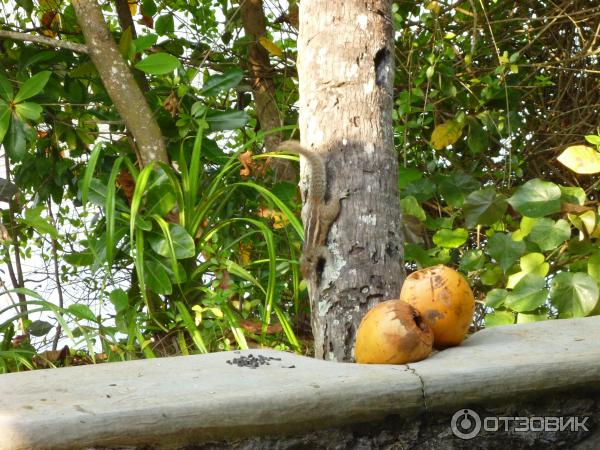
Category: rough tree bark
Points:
column 346, row 71
column 119, row 82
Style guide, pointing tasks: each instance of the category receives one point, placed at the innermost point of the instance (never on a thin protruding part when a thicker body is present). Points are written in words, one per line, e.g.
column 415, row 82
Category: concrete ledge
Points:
column 172, row 402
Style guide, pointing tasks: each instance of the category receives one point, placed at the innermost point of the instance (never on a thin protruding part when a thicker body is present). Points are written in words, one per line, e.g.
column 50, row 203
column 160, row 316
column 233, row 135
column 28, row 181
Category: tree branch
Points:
column 57, row 43
column 119, row 82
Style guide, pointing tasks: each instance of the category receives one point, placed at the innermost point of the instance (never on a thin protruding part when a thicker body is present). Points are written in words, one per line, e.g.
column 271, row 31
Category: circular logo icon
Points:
column 465, row 424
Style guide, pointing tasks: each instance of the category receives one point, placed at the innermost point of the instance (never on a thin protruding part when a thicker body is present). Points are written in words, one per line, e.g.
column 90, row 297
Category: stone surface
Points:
column 191, row 402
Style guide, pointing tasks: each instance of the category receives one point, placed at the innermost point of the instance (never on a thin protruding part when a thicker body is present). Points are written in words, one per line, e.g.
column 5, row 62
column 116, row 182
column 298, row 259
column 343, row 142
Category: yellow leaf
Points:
column 581, row 159
column 133, row 7
column 269, row 46
column 446, row 134
column 434, row 7
column 245, row 253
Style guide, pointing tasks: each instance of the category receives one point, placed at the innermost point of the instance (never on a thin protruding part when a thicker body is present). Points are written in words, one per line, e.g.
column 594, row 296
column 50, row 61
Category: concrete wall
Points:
column 234, row 400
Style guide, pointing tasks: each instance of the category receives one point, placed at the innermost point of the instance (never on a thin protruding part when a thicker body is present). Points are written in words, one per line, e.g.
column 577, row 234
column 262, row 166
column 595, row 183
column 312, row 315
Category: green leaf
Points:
column 33, row 86
column 149, row 8
column 505, row 250
column 158, row 64
column 4, row 120
column 221, row 83
column 164, row 24
column 16, row 140
column 573, row 294
column 529, row 294
column 160, row 195
column 580, row 159
column 548, row 234
column 478, row 140
column 593, row 139
column 499, row 318
column 411, row 207
column 472, row 260
column 228, row 120
column 84, row 258
column 42, row 225
column 533, row 317
column 492, row 275
column 484, row 207
column 28, row 110
column 593, row 266
column 407, row 175
column 450, row 238
column 82, row 312
column 119, row 299
column 6, row 90
column 182, row 242
column 536, row 198
column 144, row 42
column 156, row 277
column 495, row 298
column 532, row 263
column 572, row 194
column 453, row 188
column 39, row 328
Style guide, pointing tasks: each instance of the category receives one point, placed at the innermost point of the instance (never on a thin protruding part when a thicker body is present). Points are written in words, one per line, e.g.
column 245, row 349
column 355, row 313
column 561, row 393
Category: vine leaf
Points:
column 580, row 159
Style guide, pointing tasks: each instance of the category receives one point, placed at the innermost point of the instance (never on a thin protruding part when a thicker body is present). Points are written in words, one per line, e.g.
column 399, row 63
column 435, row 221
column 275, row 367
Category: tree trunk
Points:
column 346, row 72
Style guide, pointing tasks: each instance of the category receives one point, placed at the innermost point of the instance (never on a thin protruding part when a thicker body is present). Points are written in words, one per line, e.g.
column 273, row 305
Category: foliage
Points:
column 494, row 103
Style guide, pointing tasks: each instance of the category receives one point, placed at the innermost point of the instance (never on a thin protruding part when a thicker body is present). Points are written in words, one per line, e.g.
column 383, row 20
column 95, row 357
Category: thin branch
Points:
column 16, row 36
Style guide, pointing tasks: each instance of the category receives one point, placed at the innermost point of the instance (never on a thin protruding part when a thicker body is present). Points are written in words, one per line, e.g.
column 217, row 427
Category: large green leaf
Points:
column 478, row 140
column 158, row 64
column 548, row 234
column 453, row 188
column 183, row 243
column 156, row 277
column 119, row 299
column 531, row 263
column 450, row 238
column 572, row 194
column 472, row 260
column 165, row 24
column 82, row 312
column 16, row 140
column 573, row 294
column 499, row 318
column 411, row 207
column 536, row 198
column 228, row 120
column 28, row 111
column 42, row 225
column 39, row 328
column 505, row 250
column 484, row 207
column 224, row 82
column 529, row 294
column 6, row 90
column 495, row 298
column 593, row 266
column 4, row 120
column 160, row 196
column 33, row 86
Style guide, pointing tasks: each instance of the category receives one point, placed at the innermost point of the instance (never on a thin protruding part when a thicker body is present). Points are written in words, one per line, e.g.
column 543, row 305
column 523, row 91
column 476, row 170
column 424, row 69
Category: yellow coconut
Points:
column 392, row 332
column 445, row 301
